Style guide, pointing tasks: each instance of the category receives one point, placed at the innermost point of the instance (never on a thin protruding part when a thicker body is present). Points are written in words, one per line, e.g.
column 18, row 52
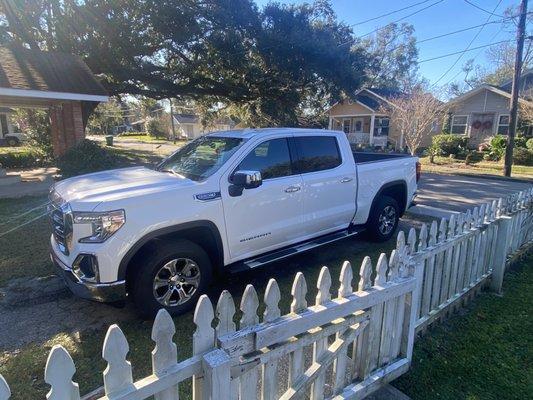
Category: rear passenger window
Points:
column 317, row 153
column 271, row 158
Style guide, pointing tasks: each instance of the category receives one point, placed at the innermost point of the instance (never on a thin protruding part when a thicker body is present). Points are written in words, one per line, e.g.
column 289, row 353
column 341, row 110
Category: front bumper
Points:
column 104, row 292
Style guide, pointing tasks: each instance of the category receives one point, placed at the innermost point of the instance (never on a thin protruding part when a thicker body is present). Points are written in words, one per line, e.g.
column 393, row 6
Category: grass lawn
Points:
column 24, row 252
column 485, row 352
column 450, row 166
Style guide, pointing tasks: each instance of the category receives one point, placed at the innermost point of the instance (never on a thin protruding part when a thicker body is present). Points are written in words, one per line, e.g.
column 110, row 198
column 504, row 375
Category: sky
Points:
column 443, row 17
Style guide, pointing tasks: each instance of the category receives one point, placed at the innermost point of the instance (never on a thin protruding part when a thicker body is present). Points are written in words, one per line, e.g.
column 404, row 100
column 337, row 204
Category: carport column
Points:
column 330, row 123
column 66, row 125
column 372, row 120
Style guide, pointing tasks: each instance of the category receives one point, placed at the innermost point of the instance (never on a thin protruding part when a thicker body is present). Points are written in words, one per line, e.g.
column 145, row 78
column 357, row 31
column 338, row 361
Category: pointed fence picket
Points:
column 360, row 339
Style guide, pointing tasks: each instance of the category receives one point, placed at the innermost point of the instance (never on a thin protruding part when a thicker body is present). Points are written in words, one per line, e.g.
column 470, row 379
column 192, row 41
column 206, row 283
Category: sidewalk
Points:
column 32, row 182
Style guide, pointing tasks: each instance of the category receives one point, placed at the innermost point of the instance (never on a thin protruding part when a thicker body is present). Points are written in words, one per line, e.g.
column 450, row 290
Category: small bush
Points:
column 87, row 156
column 157, row 127
column 32, row 157
column 520, row 141
column 497, row 147
column 133, row 133
column 523, row 156
column 529, row 144
column 449, row 144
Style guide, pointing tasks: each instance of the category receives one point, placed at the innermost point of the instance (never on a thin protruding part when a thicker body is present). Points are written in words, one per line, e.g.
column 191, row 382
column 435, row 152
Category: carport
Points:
column 60, row 82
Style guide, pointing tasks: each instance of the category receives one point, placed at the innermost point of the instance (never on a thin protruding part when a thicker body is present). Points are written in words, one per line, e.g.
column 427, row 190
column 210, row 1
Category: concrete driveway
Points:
column 459, row 193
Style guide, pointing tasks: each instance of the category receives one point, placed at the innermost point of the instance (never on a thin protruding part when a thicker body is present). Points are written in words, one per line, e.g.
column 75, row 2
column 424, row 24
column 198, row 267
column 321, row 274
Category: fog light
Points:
column 85, row 267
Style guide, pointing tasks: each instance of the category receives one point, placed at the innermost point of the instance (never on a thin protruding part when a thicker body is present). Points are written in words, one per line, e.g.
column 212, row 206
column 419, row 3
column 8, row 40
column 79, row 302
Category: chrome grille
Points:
column 61, row 223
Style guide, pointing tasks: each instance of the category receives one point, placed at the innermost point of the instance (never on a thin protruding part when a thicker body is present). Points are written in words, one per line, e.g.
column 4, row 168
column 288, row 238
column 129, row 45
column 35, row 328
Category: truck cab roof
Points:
column 250, row 133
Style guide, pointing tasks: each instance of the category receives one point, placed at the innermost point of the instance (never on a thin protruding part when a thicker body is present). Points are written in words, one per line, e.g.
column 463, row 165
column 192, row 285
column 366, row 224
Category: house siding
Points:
column 345, row 108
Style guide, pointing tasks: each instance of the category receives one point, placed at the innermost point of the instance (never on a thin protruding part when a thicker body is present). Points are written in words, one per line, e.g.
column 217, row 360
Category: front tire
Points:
column 173, row 276
column 383, row 219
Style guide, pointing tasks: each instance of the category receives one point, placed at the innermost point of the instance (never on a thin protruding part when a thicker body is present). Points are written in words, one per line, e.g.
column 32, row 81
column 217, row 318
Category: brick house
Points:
column 61, row 82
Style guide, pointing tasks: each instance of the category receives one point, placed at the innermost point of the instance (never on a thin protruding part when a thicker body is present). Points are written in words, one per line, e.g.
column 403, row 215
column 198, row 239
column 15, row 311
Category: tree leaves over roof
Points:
column 265, row 61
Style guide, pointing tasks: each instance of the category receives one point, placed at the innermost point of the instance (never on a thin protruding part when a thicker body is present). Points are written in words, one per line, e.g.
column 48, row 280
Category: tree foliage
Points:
column 267, row 63
column 414, row 115
column 393, row 55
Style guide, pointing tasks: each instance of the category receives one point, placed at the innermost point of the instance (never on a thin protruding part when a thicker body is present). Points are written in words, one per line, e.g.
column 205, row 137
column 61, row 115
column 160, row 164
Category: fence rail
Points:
column 342, row 347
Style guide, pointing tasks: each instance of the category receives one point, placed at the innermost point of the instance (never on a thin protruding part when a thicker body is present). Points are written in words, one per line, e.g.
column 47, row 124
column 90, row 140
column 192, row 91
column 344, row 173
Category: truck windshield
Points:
column 201, row 158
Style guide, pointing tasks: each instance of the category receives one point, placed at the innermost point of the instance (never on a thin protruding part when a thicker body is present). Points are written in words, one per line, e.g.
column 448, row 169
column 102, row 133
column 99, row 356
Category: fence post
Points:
column 217, row 377
column 502, row 241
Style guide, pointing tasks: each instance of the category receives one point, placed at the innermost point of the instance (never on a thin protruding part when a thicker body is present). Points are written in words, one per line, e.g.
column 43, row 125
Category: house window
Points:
column 3, row 125
column 503, row 124
column 381, row 126
column 459, row 124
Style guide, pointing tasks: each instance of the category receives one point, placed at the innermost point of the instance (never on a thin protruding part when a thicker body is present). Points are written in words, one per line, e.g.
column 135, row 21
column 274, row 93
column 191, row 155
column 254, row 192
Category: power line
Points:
column 463, row 51
column 467, row 47
column 482, row 9
column 389, row 13
column 390, row 23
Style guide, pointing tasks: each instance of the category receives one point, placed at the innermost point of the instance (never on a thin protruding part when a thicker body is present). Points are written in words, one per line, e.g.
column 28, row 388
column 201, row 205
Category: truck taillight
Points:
column 418, row 170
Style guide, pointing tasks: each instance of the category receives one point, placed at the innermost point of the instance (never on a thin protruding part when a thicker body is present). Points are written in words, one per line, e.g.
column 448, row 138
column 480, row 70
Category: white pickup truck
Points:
column 226, row 202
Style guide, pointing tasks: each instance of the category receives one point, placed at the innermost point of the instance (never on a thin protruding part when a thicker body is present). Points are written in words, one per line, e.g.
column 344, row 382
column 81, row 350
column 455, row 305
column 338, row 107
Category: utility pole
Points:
column 520, row 38
column 172, row 121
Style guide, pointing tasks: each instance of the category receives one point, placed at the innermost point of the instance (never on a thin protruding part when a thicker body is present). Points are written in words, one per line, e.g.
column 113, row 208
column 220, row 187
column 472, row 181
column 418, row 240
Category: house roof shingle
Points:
column 25, row 69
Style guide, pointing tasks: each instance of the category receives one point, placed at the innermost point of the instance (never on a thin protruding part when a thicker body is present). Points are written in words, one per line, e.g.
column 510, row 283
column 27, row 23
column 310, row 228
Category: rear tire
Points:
column 172, row 276
column 383, row 219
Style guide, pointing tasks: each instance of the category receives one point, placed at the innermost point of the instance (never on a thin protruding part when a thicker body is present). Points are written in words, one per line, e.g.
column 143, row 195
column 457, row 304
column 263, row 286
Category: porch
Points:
column 362, row 129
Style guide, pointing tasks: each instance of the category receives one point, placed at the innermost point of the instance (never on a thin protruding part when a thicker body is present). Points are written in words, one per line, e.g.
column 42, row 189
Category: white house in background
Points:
column 190, row 126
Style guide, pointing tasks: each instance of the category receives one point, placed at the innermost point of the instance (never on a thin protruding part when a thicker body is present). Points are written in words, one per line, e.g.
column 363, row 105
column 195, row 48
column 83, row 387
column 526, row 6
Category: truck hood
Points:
column 117, row 184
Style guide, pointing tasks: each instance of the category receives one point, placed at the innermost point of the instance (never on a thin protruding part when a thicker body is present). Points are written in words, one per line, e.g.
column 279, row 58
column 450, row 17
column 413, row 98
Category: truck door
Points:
column 269, row 216
column 329, row 184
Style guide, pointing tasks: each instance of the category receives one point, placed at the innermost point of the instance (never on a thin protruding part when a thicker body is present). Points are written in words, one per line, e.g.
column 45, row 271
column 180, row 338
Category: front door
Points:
column 358, row 125
column 482, row 126
column 270, row 216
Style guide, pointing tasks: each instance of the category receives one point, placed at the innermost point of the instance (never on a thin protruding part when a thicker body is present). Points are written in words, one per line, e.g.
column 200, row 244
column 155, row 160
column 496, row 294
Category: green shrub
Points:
column 157, row 127
column 133, row 133
column 523, row 156
column 449, row 144
column 87, row 156
column 31, row 157
column 520, row 141
column 529, row 144
column 497, row 147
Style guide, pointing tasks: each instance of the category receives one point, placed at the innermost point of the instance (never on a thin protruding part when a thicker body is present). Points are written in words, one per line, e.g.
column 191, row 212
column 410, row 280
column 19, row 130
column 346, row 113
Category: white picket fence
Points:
column 342, row 348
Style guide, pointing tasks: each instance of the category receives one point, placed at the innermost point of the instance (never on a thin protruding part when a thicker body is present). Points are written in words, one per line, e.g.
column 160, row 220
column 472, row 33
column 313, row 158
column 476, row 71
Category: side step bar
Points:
column 276, row 255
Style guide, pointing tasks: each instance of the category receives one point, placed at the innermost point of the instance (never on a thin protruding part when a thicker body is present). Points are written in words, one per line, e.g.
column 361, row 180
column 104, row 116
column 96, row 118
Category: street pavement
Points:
column 438, row 192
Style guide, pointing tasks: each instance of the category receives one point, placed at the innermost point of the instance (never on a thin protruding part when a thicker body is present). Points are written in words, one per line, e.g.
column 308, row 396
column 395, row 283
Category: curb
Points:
column 481, row 176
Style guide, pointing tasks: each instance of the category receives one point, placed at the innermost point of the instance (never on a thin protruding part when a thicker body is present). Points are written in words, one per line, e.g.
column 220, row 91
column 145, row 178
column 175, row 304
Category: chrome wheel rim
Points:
column 387, row 220
column 176, row 282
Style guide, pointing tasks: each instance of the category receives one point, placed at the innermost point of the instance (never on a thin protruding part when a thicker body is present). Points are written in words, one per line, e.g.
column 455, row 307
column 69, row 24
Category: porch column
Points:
column 372, row 120
column 330, row 123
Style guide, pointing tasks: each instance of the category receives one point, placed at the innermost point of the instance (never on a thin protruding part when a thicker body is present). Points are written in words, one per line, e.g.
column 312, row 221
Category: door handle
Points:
column 292, row 189
column 346, row 179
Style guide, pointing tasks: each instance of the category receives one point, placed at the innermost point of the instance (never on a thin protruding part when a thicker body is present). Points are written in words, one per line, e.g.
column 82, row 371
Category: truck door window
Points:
column 271, row 158
column 317, row 153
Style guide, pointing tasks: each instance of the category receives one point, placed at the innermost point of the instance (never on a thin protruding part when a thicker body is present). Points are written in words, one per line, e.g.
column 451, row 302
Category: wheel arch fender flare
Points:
column 388, row 186
column 170, row 230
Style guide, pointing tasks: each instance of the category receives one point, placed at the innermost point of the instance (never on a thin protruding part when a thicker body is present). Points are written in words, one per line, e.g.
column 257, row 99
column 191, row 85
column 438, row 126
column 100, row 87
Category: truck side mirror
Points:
column 244, row 180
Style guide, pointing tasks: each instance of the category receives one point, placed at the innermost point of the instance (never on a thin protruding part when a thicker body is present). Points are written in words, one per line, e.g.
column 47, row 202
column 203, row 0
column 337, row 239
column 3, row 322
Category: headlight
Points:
column 104, row 224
